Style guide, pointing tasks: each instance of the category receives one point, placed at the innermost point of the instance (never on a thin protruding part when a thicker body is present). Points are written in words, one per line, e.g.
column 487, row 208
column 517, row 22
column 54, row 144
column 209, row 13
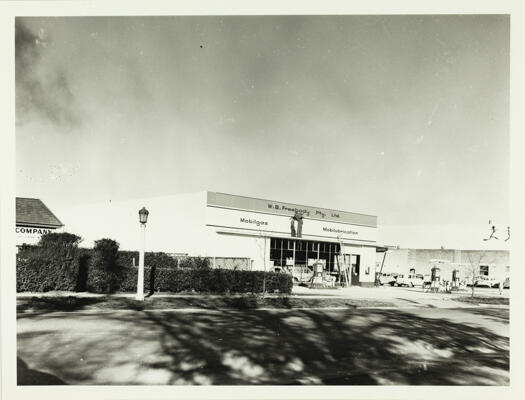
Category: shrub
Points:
column 194, row 263
column 160, row 260
column 125, row 258
column 50, row 265
column 206, row 280
column 60, row 239
column 57, row 263
column 151, row 259
column 105, row 272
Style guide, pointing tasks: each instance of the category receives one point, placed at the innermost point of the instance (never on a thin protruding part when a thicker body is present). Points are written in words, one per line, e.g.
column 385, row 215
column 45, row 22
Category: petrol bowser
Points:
column 318, row 269
column 318, row 273
column 435, row 278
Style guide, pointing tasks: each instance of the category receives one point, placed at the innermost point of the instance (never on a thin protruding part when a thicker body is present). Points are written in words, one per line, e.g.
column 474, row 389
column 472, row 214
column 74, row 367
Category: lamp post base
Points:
column 139, row 297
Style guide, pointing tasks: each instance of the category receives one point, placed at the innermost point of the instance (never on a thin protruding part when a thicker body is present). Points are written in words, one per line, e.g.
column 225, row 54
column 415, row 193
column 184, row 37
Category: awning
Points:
column 385, row 248
column 278, row 235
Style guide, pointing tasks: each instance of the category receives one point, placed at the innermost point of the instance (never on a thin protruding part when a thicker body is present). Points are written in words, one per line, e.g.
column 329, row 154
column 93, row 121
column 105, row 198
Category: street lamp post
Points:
column 143, row 218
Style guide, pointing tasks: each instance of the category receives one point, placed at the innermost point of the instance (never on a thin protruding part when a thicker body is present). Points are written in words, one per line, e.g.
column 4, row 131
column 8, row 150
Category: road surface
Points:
column 406, row 346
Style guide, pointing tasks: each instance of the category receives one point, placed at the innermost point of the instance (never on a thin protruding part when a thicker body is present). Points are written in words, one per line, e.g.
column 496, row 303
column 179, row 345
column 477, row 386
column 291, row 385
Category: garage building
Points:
column 272, row 234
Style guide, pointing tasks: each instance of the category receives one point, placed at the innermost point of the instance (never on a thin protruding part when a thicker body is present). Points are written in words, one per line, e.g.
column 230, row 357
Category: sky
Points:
column 403, row 117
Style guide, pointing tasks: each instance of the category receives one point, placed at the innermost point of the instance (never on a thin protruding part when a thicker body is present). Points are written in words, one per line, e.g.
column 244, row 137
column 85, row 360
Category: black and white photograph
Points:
column 262, row 200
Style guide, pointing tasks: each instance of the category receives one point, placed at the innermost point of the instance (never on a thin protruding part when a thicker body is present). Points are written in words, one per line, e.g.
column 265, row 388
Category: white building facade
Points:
column 211, row 224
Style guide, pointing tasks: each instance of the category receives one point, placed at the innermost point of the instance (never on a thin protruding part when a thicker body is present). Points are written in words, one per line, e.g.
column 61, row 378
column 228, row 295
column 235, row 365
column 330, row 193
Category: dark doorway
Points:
column 356, row 264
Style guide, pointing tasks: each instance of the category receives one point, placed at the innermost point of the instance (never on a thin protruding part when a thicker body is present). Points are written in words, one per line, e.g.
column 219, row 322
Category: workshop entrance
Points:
column 298, row 256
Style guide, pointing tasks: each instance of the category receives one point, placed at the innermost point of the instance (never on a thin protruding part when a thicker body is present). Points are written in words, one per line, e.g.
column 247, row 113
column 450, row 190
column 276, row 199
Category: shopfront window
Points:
column 304, row 254
column 484, row 270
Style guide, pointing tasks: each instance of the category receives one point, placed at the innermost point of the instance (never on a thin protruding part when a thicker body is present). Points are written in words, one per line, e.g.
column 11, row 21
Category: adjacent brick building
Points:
column 491, row 263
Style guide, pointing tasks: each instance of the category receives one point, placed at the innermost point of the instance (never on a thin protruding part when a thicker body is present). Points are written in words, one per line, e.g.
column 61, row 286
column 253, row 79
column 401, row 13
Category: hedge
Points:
column 105, row 272
column 59, row 264
column 152, row 259
column 206, row 281
column 56, row 264
column 161, row 260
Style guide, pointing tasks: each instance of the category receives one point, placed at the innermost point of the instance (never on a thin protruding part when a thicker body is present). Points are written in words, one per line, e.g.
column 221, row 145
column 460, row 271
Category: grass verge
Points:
column 72, row 303
column 483, row 300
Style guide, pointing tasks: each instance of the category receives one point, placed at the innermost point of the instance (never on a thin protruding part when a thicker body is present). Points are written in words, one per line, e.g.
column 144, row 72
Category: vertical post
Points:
column 378, row 280
column 330, row 265
column 281, row 259
column 140, row 280
column 264, row 273
column 307, row 244
column 293, row 254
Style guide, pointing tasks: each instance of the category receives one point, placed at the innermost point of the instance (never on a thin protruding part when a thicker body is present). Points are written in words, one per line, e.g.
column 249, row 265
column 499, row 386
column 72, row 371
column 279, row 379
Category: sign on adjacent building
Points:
column 33, row 219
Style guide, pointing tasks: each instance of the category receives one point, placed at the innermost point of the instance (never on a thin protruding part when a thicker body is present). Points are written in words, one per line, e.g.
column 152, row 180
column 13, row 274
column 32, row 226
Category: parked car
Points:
column 302, row 274
column 416, row 280
column 506, row 283
column 402, row 280
column 387, row 279
column 484, row 281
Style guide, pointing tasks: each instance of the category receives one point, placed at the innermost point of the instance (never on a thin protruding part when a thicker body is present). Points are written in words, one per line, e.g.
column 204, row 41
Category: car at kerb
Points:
column 402, row 280
column 484, row 281
column 387, row 279
column 416, row 280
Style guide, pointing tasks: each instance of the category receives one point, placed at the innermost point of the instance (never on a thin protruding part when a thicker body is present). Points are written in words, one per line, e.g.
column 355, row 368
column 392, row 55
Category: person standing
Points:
column 292, row 227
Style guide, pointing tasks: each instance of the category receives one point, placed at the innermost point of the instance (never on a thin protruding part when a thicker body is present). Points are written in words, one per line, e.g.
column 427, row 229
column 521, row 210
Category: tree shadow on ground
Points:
column 350, row 347
column 27, row 376
column 331, row 348
column 496, row 314
column 52, row 304
column 44, row 305
column 39, row 307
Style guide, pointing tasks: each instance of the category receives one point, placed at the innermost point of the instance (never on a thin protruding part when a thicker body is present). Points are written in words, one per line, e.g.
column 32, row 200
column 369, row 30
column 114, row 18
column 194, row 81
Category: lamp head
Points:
column 143, row 215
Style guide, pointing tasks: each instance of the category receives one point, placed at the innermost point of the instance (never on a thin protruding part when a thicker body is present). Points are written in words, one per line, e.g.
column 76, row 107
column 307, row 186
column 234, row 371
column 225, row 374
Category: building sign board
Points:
column 30, row 234
column 223, row 200
column 268, row 224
